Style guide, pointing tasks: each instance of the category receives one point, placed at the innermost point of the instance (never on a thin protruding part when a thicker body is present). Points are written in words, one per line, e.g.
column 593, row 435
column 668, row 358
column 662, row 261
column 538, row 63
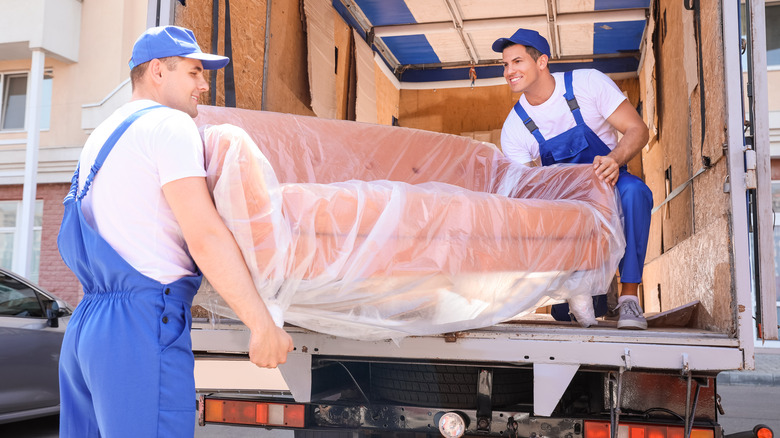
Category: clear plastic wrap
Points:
column 374, row 232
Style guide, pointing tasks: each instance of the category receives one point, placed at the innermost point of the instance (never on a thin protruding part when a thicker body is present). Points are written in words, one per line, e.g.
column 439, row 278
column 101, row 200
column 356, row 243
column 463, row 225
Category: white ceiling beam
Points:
column 552, row 28
column 457, row 21
column 636, row 14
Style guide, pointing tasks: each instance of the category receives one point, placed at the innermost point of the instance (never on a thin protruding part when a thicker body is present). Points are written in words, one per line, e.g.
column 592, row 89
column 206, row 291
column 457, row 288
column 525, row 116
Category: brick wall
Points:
column 54, row 275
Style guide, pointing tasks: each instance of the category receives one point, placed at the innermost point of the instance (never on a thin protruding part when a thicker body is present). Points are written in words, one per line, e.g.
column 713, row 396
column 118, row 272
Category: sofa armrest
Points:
column 561, row 181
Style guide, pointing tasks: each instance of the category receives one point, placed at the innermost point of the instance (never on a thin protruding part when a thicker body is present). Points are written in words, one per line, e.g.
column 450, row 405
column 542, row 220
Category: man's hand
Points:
column 607, row 169
column 268, row 347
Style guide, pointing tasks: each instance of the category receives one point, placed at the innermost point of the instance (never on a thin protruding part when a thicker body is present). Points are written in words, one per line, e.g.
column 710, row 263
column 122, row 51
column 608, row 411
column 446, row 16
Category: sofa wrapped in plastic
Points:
column 371, row 232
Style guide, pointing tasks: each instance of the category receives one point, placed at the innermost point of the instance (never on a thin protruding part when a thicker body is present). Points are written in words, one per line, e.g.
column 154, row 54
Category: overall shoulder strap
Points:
column 571, row 100
column 529, row 124
column 109, row 145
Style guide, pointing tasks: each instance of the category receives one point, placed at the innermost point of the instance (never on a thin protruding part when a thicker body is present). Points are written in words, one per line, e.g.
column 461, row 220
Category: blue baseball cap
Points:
column 165, row 41
column 526, row 37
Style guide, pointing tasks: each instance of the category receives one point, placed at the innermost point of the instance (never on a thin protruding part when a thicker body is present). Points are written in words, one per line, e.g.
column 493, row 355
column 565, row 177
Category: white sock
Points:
column 624, row 298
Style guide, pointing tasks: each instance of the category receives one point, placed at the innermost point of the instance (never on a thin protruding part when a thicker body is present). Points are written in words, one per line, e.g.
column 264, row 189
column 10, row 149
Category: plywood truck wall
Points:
column 689, row 250
column 457, row 110
column 345, row 68
column 287, row 82
column 388, row 98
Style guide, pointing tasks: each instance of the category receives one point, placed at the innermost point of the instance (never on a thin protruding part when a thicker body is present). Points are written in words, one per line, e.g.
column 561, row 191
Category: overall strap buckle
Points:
column 530, row 125
column 573, row 105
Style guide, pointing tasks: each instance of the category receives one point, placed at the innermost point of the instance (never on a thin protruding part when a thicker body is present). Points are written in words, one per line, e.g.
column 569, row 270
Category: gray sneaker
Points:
column 631, row 316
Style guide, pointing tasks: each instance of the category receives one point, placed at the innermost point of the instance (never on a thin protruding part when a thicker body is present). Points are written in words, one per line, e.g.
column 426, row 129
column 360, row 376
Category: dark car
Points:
column 32, row 324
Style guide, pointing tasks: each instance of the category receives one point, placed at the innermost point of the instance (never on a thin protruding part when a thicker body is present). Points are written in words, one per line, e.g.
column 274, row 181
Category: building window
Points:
column 13, row 89
column 10, row 235
column 771, row 15
column 772, row 12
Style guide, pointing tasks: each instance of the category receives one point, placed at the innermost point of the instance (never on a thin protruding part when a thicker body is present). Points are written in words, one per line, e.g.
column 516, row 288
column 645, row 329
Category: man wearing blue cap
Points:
column 575, row 117
column 139, row 229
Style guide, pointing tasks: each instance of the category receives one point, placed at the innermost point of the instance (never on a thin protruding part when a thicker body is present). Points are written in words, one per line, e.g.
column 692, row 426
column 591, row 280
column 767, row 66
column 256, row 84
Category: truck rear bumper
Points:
column 376, row 418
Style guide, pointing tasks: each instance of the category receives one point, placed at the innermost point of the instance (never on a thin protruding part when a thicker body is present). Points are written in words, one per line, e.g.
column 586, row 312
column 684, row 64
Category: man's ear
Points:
column 542, row 61
column 155, row 70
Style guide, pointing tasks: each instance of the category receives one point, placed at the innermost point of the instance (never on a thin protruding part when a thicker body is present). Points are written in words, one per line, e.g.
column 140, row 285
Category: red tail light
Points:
column 254, row 412
column 601, row 429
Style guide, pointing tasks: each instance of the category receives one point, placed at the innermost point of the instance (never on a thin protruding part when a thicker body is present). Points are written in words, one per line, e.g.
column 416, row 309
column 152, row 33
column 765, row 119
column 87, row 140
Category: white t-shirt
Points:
column 597, row 96
column 125, row 203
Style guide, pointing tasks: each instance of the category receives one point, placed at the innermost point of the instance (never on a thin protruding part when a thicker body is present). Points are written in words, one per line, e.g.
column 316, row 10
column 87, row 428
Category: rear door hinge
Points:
column 750, row 169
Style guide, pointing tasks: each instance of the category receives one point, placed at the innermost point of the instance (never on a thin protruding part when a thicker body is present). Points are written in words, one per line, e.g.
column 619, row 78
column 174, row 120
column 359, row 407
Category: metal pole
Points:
column 32, row 117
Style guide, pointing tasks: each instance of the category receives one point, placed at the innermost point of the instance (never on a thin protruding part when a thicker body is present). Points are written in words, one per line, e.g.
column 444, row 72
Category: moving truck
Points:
column 701, row 87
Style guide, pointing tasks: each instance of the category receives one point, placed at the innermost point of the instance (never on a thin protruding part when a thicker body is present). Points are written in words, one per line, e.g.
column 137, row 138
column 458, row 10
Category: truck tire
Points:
column 447, row 386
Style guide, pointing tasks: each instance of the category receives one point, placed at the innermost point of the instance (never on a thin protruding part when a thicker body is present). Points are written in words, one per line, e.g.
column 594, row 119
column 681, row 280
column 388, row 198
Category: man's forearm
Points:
column 630, row 145
column 635, row 134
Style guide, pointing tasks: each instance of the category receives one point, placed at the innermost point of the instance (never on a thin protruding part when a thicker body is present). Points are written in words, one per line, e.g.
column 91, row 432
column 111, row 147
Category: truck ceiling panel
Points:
column 435, row 36
column 479, row 9
column 386, row 12
column 448, row 47
column 600, row 5
column 623, row 36
column 411, row 49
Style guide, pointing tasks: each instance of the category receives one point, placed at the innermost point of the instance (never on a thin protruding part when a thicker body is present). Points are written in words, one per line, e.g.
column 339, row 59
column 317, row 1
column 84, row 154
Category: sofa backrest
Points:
column 310, row 149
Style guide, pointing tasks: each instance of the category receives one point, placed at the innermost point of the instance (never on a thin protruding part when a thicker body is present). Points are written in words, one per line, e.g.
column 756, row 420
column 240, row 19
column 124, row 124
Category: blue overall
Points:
column 126, row 366
column 581, row 145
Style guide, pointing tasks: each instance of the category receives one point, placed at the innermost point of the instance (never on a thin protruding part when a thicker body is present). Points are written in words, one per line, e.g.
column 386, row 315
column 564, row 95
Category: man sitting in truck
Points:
column 575, row 117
